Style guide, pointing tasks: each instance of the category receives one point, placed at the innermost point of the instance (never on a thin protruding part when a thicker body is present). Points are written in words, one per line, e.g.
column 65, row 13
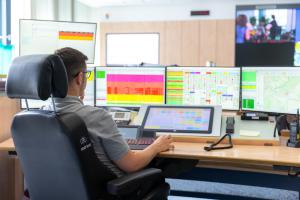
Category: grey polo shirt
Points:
column 108, row 143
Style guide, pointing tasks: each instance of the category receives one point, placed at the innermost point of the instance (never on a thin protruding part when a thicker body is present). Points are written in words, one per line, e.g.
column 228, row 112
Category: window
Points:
column 5, row 40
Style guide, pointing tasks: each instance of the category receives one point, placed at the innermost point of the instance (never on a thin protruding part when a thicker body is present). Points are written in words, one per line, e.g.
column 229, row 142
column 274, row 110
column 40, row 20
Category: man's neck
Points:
column 72, row 93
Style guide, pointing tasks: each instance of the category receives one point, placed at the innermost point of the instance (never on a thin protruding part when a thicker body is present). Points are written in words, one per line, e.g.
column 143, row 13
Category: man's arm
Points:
column 136, row 160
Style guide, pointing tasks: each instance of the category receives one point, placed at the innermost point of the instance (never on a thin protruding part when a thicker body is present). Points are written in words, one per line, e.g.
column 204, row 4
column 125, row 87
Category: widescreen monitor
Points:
column 179, row 119
column 44, row 37
column 268, row 35
column 130, row 86
column 271, row 89
column 203, row 86
column 89, row 97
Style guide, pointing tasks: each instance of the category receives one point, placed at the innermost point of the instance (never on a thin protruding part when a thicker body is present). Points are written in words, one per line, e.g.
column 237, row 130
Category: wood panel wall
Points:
column 8, row 108
column 185, row 43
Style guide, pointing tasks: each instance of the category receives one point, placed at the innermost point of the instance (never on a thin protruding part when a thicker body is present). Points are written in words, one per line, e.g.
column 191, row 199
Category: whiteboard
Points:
column 132, row 48
column 44, row 37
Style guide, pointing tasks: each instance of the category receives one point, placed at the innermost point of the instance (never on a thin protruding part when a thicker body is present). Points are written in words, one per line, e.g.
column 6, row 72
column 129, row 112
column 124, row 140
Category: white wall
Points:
column 179, row 10
column 43, row 9
column 65, row 10
column 82, row 13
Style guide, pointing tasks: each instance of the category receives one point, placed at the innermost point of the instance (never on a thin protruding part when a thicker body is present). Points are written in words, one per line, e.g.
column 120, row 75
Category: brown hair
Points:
column 73, row 59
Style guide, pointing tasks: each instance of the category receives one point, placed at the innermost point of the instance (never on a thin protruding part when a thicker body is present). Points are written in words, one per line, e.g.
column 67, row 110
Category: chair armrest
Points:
column 131, row 182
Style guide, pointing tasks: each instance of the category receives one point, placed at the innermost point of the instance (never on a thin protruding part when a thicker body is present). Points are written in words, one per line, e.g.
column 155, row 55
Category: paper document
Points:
column 249, row 133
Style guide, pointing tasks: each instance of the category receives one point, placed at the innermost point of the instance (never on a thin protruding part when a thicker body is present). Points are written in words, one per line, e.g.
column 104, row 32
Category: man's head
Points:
column 75, row 65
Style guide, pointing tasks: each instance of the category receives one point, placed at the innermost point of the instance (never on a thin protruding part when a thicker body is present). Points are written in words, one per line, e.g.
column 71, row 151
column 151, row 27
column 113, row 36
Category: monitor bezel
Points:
column 175, row 131
column 275, row 113
column 216, row 67
column 134, row 106
column 20, row 20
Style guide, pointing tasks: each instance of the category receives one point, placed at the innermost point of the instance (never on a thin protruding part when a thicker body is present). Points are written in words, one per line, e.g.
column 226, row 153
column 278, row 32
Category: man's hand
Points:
column 136, row 160
column 163, row 143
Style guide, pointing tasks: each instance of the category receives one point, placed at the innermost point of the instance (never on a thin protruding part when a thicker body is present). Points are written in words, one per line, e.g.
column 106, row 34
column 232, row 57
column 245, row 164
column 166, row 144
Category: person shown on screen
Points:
column 109, row 145
column 274, row 28
column 250, row 32
column 261, row 30
column 241, row 27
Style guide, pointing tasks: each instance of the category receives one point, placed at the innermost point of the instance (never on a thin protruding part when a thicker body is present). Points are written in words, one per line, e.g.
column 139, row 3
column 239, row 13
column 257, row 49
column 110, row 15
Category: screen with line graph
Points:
column 130, row 86
column 44, row 37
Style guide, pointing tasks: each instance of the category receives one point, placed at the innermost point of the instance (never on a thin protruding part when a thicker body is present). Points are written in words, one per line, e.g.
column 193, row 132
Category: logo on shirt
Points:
column 83, row 140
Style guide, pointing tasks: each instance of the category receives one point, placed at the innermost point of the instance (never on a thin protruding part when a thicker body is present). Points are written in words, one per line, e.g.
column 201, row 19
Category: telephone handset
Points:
column 121, row 117
column 281, row 123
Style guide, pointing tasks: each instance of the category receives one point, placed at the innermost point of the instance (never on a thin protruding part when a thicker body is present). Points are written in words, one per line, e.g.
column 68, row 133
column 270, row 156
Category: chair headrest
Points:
column 37, row 77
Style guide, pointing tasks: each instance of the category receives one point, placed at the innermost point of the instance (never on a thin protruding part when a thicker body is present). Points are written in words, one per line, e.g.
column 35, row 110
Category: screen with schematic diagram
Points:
column 203, row 86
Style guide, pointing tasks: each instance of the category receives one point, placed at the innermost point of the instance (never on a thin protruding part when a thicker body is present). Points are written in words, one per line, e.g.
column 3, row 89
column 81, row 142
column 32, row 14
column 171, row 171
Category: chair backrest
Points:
column 57, row 157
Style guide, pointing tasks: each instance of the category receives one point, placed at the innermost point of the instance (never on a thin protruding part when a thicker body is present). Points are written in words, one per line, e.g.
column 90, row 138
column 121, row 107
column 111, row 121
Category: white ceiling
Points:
column 103, row 3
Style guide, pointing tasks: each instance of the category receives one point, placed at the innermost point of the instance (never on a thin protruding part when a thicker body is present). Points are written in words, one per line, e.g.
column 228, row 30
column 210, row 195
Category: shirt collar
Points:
column 68, row 99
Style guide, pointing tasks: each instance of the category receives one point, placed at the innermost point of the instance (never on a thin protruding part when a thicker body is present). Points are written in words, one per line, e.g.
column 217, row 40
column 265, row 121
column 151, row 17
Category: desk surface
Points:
column 7, row 145
column 271, row 155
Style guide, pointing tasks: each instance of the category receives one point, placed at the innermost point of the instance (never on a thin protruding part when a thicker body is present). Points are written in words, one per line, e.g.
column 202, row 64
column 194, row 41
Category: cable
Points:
column 213, row 146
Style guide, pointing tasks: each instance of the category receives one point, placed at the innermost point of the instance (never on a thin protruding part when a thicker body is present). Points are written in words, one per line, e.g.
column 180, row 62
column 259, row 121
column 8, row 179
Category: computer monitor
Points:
column 271, row 89
column 130, row 86
column 179, row 119
column 203, row 86
column 44, row 37
column 89, row 98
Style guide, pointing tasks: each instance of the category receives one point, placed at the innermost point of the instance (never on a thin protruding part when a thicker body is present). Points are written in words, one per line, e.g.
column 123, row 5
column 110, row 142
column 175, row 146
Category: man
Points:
column 111, row 149
column 274, row 28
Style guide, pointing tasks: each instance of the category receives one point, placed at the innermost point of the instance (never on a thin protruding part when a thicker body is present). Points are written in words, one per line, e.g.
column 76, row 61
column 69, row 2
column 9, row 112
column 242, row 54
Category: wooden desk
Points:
column 274, row 155
column 7, row 145
column 243, row 160
column 269, row 155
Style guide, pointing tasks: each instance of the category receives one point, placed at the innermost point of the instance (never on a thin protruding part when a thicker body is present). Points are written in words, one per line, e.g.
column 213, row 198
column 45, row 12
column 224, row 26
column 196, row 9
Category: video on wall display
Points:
column 130, row 86
column 268, row 35
column 44, row 37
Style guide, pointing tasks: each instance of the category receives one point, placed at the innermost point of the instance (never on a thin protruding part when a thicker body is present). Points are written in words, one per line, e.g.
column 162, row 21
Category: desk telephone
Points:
column 282, row 122
column 121, row 117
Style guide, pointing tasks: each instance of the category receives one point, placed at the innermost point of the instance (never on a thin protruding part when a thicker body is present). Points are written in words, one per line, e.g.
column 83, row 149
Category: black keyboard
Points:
column 140, row 143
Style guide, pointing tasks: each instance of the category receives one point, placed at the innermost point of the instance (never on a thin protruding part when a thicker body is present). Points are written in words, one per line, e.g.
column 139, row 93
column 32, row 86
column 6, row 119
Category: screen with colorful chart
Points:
column 178, row 119
column 203, row 86
column 130, row 86
column 271, row 89
column 44, row 37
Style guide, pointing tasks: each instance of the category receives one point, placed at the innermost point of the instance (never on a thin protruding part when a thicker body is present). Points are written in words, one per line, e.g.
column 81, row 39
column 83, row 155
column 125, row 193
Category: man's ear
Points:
column 79, row 78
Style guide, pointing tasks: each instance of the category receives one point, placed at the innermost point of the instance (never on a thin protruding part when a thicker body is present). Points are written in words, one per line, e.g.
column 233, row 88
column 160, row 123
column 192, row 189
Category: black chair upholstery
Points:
column 56, row 154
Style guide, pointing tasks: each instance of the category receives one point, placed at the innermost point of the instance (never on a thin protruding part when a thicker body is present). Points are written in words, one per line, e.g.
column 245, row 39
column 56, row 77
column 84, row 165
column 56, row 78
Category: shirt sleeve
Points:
column 113, row 143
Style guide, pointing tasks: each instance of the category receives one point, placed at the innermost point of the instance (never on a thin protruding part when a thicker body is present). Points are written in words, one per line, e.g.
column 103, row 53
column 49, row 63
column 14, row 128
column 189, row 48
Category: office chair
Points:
column 56, row 154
